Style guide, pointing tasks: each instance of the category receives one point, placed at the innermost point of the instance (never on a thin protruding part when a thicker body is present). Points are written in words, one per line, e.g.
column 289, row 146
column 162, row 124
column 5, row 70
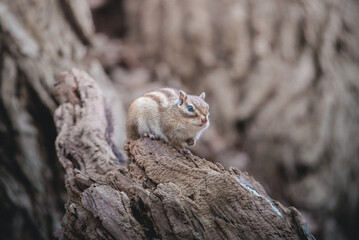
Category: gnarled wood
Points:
column 37, row 43
column 159, row 193
column 281, row 78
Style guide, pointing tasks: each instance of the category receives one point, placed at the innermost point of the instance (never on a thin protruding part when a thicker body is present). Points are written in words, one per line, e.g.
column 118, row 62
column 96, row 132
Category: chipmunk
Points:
column 168, row 114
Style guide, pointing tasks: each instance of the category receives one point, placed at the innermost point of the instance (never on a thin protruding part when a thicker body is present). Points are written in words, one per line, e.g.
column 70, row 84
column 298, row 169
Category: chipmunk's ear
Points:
column 182, row 97
column 203, row 95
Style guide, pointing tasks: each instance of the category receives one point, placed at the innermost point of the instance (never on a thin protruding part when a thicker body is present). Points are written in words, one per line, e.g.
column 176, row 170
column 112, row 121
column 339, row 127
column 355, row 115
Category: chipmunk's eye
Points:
column 190, row 108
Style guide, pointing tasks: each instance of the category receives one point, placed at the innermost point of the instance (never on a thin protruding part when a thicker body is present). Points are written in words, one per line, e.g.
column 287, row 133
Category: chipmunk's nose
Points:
column 204, row 120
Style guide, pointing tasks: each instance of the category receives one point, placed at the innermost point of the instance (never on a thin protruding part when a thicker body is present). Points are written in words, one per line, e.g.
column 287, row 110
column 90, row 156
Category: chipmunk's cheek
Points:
column 197, row 123
column 192, row 122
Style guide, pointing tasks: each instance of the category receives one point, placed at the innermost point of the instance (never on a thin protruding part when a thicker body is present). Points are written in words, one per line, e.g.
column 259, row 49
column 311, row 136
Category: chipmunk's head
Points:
column 194, row 109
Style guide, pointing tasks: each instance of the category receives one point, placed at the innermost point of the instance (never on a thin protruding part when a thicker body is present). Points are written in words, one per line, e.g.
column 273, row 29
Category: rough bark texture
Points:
column 159, row 193
column 281, row 78
column 284, row 75
column 37, row 42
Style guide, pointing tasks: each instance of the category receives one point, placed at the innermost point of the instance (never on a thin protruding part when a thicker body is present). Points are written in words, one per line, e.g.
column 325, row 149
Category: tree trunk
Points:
column 281, row 78
column 37, row 42
column 160, row 193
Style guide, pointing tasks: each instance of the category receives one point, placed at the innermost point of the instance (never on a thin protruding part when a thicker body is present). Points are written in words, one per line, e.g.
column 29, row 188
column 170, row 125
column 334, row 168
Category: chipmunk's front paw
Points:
column 184, row 151
column 151, row 136
column 191, row 141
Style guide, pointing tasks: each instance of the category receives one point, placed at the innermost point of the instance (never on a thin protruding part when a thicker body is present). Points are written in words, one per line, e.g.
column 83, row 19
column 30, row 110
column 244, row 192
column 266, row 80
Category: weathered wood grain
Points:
column 159, row 192
column 37, row 43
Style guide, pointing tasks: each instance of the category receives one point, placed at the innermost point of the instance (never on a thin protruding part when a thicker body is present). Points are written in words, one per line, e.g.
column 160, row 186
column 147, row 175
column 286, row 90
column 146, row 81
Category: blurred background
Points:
column 281, row 77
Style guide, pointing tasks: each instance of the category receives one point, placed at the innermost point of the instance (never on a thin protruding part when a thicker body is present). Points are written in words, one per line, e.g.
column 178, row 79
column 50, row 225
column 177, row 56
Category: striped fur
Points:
column 164, row 113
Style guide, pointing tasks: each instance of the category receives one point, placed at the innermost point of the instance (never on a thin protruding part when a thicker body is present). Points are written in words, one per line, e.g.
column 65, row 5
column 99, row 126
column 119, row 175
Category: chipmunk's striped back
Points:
column 163, row 96
column 168, row 114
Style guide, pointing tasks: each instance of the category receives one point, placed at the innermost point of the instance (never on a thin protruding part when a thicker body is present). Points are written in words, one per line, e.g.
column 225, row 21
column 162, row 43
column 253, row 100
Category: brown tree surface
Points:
column 282, row 80
column 38, row 40
column 161, row 193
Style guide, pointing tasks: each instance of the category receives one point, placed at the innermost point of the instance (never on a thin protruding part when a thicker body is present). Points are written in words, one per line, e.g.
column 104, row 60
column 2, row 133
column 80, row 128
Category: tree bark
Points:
column 159, row 193
column 281, row 78
column 37, row 42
